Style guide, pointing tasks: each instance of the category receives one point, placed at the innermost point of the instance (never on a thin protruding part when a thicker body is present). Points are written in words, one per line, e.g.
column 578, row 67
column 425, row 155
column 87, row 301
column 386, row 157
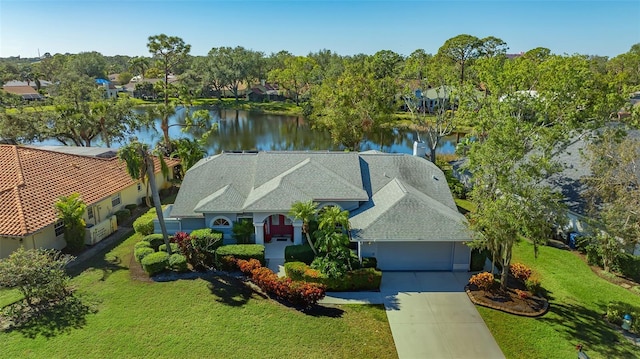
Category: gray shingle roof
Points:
column 401, row 197
column 402, row 213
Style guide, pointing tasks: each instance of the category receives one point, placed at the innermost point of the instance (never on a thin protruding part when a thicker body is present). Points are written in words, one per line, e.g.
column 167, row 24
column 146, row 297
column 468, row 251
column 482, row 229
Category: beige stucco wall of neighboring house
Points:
column 42, row 239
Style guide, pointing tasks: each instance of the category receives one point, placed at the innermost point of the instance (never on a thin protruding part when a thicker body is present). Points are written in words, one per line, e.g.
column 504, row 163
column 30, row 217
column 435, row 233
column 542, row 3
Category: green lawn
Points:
column 578, row 302
column 192, row 319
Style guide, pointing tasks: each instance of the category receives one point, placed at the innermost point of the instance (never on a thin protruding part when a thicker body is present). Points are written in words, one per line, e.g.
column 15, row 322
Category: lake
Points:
column 242, row 130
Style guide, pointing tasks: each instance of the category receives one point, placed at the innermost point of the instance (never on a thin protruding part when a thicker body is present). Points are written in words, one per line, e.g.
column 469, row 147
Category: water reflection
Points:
column 241, row 130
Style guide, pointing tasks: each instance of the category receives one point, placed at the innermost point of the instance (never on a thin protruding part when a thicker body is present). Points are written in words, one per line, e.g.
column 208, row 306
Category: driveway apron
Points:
column 431, row 316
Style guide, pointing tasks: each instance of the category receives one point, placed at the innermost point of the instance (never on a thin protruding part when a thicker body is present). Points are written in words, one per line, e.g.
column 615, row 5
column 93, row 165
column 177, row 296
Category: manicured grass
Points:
column 465, row 204
column 201, row 318
column 9, row 296
column 578, row 300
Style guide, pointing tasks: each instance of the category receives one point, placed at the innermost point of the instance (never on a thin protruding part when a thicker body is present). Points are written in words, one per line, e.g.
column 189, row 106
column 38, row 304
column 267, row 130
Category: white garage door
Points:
column 415, row 255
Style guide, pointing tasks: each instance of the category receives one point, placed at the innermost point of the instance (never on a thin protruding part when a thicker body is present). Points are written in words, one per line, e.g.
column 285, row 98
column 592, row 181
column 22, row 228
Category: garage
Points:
column 412, row 255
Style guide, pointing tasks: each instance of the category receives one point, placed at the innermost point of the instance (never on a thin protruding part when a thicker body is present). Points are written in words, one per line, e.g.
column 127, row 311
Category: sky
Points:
column 347, row 27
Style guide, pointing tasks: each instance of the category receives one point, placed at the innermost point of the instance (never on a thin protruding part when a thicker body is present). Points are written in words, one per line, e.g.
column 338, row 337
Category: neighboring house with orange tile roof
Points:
column 32, row 179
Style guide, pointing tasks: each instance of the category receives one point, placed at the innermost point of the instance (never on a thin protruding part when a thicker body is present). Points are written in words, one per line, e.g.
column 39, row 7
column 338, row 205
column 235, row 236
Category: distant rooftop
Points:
column 99, row 152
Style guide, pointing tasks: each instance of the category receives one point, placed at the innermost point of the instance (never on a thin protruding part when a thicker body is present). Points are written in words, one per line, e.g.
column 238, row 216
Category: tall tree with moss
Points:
column 170, row 51
column 140, row 166
column 71, row 212
column 613, row 192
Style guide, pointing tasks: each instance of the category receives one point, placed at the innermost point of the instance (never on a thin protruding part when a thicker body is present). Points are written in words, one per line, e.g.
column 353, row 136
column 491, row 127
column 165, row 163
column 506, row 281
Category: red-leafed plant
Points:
column 246, row 266
column 483, row 281
column 522, row 294
column 520, row 271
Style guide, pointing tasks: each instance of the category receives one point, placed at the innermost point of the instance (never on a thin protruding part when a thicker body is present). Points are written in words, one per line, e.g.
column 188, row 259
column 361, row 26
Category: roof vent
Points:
column 435, row 178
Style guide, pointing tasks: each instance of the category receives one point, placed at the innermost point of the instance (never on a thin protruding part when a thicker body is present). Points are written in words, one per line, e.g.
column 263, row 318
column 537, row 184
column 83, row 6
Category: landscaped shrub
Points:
column 369, row 262
column 616, row 312
column 142, row 244
column 357, row 279
column 478, row 258
column 122, row 215
column 212, row 237
column 228, row 263
column 296, row 292
column 299, row 253
column 242, row 251
column 242, row 231
column 593, row 255
column 156, row 240
column 484, row 281
column 174, row 248
column 144, row 223
column 155, row 262
column 131, row 207
column 629, row 266
column 178, row 262
column 533, row 284
column 247, row 266
column 295, row 270
column 305, row 294
column 142, row 252
column 520, row 271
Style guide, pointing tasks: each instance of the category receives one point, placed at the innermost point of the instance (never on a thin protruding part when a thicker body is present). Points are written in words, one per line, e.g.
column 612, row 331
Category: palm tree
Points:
column 333, row 218
column 139, row 160
column 306, row 212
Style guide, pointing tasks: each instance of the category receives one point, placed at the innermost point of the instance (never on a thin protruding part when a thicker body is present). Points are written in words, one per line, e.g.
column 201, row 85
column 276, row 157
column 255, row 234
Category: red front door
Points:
column 275, row 226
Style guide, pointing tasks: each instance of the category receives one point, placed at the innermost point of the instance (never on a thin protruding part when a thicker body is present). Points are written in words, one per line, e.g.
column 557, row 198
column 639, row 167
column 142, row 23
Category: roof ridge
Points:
column 19, row 171
column 20, row 209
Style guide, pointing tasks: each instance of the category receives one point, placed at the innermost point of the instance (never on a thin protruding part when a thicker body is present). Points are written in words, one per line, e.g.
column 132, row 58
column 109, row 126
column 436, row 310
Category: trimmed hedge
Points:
column 144, row 223
column 174, row 248
column 178, row 262
column 142, row 244
column 298, row 293
column 207, row 233
column 357, row 279
column 629, row 266
column 299, row 253
column 142, row 252
column 241, row 251
column 122, row 215
column 155, row 240
column 369, row 262
column 155, row 262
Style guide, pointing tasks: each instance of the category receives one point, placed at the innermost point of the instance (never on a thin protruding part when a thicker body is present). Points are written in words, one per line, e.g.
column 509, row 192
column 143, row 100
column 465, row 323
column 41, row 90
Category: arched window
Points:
column 220, row 222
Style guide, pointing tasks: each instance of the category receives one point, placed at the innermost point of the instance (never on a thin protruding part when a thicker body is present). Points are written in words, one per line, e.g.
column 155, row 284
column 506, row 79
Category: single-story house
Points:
column 27, row 93
column 401, row 209
column 570, row 181
column 33, row 178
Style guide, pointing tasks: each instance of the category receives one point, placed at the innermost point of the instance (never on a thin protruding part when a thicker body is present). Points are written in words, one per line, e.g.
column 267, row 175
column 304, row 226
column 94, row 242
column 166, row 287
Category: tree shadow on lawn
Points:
column 581, row 325
column 101, row 260
column 49, row 321
column 229, row 290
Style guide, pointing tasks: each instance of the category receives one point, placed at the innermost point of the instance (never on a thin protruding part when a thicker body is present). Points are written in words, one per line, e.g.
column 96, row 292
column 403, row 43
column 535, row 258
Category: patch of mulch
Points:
column 508, row 301
column 137, row 273
column 611, row 277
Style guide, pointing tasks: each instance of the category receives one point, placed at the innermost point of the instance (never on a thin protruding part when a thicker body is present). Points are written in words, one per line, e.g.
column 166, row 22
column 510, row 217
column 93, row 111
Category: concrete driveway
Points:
column 431, row 316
